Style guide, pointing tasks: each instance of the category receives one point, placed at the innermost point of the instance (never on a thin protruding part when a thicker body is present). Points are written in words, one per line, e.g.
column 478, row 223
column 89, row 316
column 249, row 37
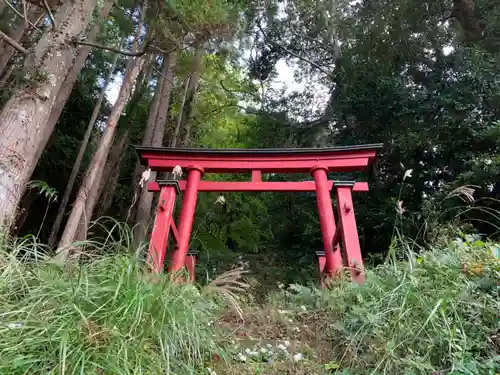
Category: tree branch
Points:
column 111, row 49
column 147, row 48
column 13, row 43
column 253, row 95
column 51, row 16
column 305, row 59
column 20, row 15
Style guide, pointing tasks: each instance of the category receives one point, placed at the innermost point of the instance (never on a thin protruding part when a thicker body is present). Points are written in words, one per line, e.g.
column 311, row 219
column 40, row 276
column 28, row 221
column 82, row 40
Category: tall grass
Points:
column 436, row 313
column 100, row 316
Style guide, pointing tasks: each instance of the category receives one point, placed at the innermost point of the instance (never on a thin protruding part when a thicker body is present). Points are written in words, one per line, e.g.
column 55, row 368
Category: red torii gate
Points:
column 317, row 161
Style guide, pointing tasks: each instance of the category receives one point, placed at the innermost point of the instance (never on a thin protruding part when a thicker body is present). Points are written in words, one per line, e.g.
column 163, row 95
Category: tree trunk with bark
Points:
column 2, row 8
column 146, row 197
column 114, row 158
column 23, row 120
column 193, row 87
column 113, row 164
column 81, row 152
column 16, row 32
column 102, row 180
column 28, row 39
column 148, row 135
column 177, row 130
column 72, row 75
column 108, row 185
column 96, row 167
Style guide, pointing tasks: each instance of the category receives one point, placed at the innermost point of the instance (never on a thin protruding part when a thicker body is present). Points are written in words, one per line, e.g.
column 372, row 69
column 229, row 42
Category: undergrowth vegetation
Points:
column 104, row 316
column 433, row 312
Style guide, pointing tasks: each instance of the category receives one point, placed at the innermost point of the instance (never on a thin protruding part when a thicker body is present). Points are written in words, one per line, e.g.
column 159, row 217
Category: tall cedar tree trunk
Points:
column 114, row 157
column 85, row 201
column 108, row 184
column 4, row 78
column 18, row 29
column 95, row 193
column 81, row 152
column 95, row 171
column 175, row 136
column 193, row 86
column 148, row 135
column 146, row 197
column 72, row 75
column 23, row 121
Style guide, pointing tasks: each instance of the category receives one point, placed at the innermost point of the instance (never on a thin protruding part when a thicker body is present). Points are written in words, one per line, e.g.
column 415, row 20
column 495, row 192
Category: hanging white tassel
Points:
column 145, row 177
column 177, row 172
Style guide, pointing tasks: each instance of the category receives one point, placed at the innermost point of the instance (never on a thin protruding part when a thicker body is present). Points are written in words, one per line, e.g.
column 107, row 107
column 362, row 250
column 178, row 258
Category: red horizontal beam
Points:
column 266, row 165
column 217, row 186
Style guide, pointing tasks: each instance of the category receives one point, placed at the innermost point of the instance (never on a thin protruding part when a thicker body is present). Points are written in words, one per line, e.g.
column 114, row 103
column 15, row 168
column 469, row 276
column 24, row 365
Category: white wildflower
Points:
column 281, row 347
column 286, row 343
column 263, row 350
column 298, row 357
column 242, row 358
column 177, row 172
column 303, row 307
column 407, row 174
column 399, row 208
column 221, row 200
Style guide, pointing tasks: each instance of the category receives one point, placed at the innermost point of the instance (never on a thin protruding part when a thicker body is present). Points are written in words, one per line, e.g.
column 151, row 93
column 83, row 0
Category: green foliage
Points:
column 435, row 312
column 44, row 189
column 103, row 315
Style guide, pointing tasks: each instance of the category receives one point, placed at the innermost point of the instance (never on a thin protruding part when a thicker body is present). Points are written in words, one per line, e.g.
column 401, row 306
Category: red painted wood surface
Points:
column 191, row 266
column 161, row 164
column 321, row 269
column 333, row 256
column 339, row 159
column 218, row 186
column 161, row 228
column 349, row 234
column 186, row 218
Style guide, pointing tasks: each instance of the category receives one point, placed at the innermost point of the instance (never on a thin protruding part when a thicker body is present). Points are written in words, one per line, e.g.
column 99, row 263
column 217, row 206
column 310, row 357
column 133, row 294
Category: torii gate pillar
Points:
column 333, row 257
column 186, row 218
